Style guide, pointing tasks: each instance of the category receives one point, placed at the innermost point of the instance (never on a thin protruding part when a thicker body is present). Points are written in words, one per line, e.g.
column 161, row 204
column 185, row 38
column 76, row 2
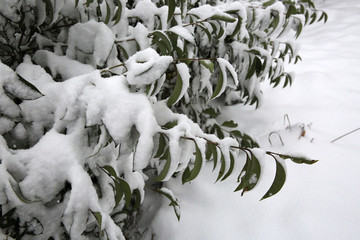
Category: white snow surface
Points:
column 318, row 201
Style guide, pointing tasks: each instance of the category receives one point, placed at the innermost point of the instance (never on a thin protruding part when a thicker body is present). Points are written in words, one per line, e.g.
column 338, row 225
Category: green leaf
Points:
column 108, row 13
column 49, row 9
column 251, row 176
column 170, row 125
column 291, row 11
column 251, row 70
column 208, row 64
column 278, row 182
column 214, row 154
column 231, row 168
column 159, row 36
column 186, row 175
column 137, row 199
column 120, row 48
column 161, row 148
column 98, row 218
column 171, row 9
column 219, row 132
column 88, row 2
column 236, row 133
column 197, row 164
column 126, row 190
column 211, row 112
column 173, row 201
column 313, row 18
column 119, row 193
column 223, row 18
column 230, row 124
column 110, row 170
column 268, row 3
column 219, row 86
column 166, row 168
column 323, row 16
column 222, row 167
column 299, row 29
column 298, row 160
column 118, row 12
column 221, row 33
column 237, row 27
column 175, row 95
column 274, row 24
column 207, row 32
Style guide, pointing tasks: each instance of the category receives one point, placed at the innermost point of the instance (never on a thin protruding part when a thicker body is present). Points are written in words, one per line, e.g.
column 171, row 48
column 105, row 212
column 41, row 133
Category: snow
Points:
column 90, row 42
column 146, row 66
column 318, row 201
column 183, row 32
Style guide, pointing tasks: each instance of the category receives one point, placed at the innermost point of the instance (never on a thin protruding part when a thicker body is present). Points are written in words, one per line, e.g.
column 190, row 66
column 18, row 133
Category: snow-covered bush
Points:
column 100, row 99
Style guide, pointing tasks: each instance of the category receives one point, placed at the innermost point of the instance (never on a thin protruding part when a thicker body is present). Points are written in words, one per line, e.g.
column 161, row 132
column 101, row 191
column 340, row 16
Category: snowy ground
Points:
column 317, row 202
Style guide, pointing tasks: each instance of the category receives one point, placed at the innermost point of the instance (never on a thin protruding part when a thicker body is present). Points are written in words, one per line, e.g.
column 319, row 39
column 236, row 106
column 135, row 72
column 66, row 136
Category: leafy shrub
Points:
column 102, row 98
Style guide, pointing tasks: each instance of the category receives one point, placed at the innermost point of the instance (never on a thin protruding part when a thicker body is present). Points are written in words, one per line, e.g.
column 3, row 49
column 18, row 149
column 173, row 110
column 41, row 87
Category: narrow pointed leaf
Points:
column 225, row 18
column 126, row 190
column 222, row 167
column 161, row 148
column 220, row 86
column 166, row 168
column 197, row 164
column 171, row 9
column 110, row 170
column 278, row 182
column 175, row 95
column 229, row 124
column 231, row 168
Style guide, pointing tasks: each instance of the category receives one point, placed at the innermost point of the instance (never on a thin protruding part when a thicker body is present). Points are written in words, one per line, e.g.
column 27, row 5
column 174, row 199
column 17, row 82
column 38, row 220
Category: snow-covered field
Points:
column 317, row 202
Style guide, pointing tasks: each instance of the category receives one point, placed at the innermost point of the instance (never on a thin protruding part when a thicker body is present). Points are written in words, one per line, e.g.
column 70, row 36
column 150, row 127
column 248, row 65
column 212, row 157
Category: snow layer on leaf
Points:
column 6, row 125
column 225, row 65
column 120, row 110
column 183, row 71
column 94, row 39
column 146, row 66
column 9, row 82
column 140, row 33
column 183, row 32
column 62, row 65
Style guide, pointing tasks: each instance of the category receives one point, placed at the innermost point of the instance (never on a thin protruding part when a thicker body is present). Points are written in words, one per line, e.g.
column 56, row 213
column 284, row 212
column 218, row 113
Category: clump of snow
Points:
column 146, row 66
column 90, row 42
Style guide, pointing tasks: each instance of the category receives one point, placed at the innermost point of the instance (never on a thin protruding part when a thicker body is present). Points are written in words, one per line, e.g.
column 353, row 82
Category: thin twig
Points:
column 345, row 135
